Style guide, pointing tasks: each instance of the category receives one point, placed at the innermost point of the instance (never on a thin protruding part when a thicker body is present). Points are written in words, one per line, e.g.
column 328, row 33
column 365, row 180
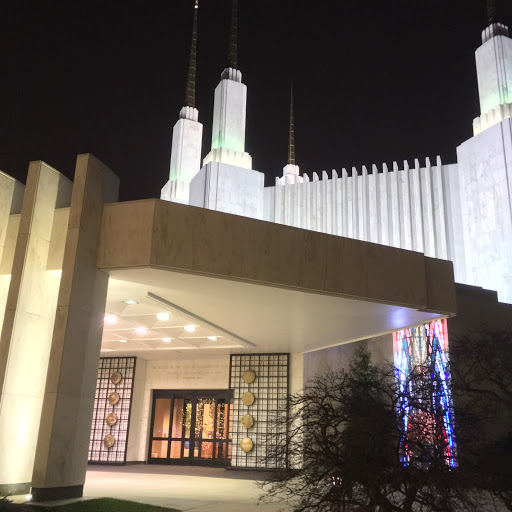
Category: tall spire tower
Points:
column 291, row 170
column 494, row 70
column 190, row 93
column 291, row 133
column 187, row 134
column 229, row 111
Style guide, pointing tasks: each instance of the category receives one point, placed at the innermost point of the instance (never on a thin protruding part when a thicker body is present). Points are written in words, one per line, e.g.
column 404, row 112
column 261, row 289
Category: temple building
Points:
column 171, row 330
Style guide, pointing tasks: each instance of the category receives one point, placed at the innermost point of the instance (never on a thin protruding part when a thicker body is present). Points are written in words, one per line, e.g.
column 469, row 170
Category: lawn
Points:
column 97, row 505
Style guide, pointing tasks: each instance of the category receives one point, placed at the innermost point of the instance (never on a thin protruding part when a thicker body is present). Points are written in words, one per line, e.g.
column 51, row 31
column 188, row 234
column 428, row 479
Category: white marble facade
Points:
column 461, row 212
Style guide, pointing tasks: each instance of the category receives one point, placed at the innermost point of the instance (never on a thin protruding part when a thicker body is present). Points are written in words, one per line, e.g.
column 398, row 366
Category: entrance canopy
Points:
column 193, row 281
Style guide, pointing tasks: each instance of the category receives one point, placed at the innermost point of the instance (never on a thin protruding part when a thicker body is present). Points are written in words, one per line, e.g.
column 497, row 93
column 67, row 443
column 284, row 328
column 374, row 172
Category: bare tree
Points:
column 354, row 446
column 481, row 367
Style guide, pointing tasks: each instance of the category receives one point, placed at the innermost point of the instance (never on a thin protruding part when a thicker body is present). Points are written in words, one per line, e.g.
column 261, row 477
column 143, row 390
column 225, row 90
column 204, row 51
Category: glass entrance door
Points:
column 189, row 427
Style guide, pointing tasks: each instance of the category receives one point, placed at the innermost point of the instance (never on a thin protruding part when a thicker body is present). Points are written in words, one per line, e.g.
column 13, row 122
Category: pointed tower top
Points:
column 233, row 38
column 190, row 93
column 495, row 11
column 491, row 11
column 291, row 133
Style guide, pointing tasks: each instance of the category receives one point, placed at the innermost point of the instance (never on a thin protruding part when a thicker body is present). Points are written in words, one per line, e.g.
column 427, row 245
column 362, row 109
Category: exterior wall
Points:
column 401, row 208
column 484, row 184
column 211, row 373
column 229, row 189
column 186, row 374
column 137, row 412
column 336, row 358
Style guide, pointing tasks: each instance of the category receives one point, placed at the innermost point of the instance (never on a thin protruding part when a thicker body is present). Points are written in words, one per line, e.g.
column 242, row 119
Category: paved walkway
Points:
column 182, row 487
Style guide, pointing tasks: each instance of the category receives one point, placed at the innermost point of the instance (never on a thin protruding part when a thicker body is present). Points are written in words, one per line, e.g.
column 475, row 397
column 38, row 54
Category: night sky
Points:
column 374, row 82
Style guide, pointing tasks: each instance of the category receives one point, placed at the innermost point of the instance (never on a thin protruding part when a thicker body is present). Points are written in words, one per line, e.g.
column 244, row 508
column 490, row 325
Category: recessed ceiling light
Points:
column 111, row 319
column 130, row 302
column 190, row 328
column 163, row 316
column 122, row 341
column 141, row 330
column 167, row 340
column 212, row 338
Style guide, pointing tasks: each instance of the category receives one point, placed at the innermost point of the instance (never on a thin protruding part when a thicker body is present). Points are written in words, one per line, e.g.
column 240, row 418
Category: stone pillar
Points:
column 27, row 329
column 61, row 455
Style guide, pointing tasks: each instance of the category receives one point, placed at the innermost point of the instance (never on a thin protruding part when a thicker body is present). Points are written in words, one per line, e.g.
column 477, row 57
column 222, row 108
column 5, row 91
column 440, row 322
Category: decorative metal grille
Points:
column 270, row 390
column 106, row 388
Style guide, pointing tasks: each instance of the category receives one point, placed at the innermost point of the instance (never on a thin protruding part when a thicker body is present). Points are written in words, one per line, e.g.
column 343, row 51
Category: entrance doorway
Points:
column 190, row 427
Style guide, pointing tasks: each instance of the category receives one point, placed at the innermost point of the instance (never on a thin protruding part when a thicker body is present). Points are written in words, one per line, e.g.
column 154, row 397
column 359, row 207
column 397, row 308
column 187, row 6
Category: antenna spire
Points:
column 291, row 133
column 491, row 11
column 190, row 93
column 233, row 38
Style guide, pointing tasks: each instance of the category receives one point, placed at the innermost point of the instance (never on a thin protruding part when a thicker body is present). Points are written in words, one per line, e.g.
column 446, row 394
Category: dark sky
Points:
column 374, row 82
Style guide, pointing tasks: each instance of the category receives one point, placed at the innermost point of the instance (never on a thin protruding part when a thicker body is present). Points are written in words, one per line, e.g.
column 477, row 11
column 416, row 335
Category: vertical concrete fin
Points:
column 61, row 460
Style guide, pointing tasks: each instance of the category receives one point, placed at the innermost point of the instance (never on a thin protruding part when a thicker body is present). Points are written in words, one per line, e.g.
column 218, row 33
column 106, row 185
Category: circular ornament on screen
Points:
column 116, row 378
column 248, row 398
column 109, row 441
column 246, row 444
column 249, row 376
column 247, row 421
column 111, row 419
column 113, row 398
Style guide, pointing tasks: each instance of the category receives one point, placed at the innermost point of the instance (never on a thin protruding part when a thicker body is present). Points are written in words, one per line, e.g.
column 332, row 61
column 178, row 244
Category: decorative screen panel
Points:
column 259, row 385
column 112, row 404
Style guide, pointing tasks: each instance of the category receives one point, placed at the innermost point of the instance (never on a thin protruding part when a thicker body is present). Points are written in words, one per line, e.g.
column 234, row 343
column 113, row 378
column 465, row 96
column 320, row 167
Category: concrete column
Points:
column 61, row 455
column 26, row 334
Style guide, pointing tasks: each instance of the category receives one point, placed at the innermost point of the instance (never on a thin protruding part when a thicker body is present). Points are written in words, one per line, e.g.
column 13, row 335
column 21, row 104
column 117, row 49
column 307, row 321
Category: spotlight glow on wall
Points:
column 212, row 338
column 130, row 302
column 122, row 341
column 110, row 319
column 166, row 340
column 141, row 330
column 189, row 328
column 163, row 316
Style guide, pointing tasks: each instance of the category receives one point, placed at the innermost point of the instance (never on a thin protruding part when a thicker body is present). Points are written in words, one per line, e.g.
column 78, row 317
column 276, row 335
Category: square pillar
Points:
column 27, row 328
column 61, row 456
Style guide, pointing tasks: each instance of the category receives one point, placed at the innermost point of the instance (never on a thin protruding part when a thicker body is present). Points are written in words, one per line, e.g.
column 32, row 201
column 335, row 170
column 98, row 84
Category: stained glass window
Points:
column 423, row 387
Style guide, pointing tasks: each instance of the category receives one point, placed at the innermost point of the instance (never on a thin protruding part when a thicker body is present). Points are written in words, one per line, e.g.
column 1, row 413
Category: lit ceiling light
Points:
column 111, row 319
column 212, row 338
column 166, row 340
column 190, row 328
column 130, row 302
column 122, row 341
column 163, row 316
column 141, row 330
